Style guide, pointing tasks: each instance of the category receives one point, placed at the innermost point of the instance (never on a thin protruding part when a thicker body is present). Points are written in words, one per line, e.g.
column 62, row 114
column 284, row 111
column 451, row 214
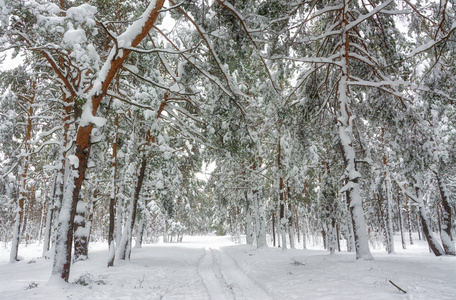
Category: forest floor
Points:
column 210, row 267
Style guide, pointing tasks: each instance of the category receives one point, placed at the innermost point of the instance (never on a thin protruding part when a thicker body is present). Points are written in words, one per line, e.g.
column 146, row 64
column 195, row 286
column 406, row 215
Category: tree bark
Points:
column 324, row 237
column 64, row 241
column 80, row 236
column 22, row 185
column 19, row 216
column 445, row 233
column 125, row 245
column 390, row 215
column 409, row 220
column 49, row 217
column 28, row 209
column 332, row 236
column 248, row 220
column 389, row 210
column 83, row 226
column 140, row 235
column 305, row 227
column 113, row 199
column 401, row 220
column 260, row 220
column 418, row 225
column 273, row 229
column 338, row 237
column 304, row 235
column 432, row 241
column 385, row 218
column 282, row 219
column 345, row 126
column 290, row 219
column 120, row 212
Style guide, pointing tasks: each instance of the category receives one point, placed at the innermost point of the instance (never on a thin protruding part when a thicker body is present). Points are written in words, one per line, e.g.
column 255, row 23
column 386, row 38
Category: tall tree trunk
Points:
column 338, row 237
column 83, row 226
column 297, row 220
column 273, row 228
column 432, row 241
column 19, row 216
column 256, row 217
column 19, row 219
column 418, row 225
column 49, row 217
column 291, row 235
column 63, row 173
column 113, row 198
column 89, row 220
column 165, row 230
column 385, row 218
column 125, row 244
column 282, row 220
column 352, row 188
column 401, row 220
column 260, row 220
column 80, row 236
column 120, row 212
column 44, row 207
column 290, row 219
column 62, row 259
column 64, row 240
column 409, row 220
column 389, row 201
column 305, row 227
column 133, row 36
column 332, row 236
column 353, row 197
column 139, row 236
column 59, row 188
column 28, row 209
column 445, row 233
column 390, row 215
column 349, row 231
column 324, row 237
column 304, row 233
column 237, row 225
column 249, row 234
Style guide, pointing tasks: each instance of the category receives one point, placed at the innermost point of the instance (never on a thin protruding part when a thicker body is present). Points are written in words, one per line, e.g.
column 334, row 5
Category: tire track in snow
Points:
column 209, row 271
column 241, row 286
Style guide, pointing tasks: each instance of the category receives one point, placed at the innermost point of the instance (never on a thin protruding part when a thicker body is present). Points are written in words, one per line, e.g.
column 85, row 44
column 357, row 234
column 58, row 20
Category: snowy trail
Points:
column 211, row 267
column 225, row 280
column 216, row 286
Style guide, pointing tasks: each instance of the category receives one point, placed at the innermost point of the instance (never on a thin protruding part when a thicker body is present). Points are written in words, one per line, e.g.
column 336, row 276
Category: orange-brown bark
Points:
column 84, row 132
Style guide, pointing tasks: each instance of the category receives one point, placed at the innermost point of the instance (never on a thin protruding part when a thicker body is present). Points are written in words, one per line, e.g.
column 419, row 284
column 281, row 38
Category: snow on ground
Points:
column 210, row 267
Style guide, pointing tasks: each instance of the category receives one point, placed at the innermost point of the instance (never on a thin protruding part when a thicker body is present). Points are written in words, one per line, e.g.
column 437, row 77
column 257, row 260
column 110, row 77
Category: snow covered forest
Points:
column 278, row 123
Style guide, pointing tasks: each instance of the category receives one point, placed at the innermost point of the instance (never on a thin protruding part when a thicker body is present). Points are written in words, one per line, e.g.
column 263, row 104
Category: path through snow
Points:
column 225, row 280
column 209, row 267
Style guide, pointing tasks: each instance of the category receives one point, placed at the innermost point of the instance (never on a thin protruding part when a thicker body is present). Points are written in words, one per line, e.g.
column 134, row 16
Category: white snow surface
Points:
column 74, row 36
column 211, row 267
column 74, row 160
